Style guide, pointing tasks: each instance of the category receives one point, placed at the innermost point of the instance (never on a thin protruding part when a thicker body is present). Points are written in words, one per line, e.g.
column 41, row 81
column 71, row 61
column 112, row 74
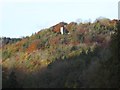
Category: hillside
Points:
column 84, row 56
column 6, row 40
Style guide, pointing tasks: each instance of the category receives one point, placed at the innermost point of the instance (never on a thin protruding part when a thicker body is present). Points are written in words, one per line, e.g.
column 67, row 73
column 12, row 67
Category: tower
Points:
column 61, row 30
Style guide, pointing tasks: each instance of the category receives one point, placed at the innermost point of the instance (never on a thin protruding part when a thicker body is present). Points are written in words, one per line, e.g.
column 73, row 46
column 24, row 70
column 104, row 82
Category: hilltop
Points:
column 80, row 56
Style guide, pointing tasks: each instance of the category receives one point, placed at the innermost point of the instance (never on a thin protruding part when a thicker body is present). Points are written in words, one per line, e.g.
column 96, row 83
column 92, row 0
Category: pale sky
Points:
column 24, row 17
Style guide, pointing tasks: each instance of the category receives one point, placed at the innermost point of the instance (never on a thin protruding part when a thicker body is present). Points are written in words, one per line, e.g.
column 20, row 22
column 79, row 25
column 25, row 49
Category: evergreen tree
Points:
column 12, row 82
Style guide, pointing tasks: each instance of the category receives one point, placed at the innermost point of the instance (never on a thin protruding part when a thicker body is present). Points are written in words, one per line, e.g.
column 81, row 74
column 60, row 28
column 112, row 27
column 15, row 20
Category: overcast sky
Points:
column 24, row 17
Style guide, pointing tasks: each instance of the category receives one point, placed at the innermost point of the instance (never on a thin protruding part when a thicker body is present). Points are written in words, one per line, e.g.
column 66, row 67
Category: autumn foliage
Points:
column 34, row 46
column 83, row 58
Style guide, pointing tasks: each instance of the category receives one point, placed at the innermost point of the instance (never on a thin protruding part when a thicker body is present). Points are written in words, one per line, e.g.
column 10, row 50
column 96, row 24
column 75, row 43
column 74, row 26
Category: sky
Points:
column 20, row 18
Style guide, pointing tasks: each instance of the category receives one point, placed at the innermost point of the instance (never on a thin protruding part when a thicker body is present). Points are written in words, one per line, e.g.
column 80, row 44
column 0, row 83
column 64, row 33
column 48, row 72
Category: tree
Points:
column 12, row 82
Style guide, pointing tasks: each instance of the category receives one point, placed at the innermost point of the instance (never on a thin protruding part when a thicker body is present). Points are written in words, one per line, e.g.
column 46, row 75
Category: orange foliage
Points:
column 33, row 46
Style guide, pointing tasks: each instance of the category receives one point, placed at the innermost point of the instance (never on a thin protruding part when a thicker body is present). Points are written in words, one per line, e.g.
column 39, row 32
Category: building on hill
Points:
column 60, row 28
column 63, row 30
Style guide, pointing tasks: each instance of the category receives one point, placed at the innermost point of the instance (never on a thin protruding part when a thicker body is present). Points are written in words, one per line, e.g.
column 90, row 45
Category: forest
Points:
column 85, row 56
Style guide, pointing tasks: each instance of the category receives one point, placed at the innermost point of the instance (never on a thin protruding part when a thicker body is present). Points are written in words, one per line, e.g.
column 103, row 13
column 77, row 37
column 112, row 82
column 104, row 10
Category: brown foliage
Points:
column 70, row 25
column 54, row 41
column 100, row 39
column 75, row 43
